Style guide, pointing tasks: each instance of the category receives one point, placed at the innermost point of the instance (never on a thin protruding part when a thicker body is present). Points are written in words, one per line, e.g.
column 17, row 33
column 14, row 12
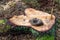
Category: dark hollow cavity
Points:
column 36, row 22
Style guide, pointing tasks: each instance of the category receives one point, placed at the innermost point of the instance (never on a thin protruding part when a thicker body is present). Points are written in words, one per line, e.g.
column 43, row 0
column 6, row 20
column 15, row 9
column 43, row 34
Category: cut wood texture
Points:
column 30, row 14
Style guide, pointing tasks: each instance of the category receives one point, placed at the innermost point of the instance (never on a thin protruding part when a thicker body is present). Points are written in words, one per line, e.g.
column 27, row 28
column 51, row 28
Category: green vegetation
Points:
column 45, row 37
column 2, row 21
column 58, row 21
column 39, row 36
column 3, row 26
column 37, row 5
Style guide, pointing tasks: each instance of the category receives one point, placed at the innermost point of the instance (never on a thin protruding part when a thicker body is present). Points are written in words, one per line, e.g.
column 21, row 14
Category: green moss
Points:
column 45, row 37
column 2, row 21
column 7, row 27
column 34, row 33
column 58, row 21
column 3, row 26
column 48, row 36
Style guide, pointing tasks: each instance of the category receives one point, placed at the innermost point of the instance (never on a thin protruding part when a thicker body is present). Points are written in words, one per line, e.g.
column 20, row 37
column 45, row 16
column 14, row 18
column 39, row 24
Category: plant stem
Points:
column 51, row 12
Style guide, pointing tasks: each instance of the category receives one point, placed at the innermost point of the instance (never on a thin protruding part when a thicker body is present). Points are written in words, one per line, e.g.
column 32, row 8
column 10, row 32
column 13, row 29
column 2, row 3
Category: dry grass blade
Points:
column 51, row 12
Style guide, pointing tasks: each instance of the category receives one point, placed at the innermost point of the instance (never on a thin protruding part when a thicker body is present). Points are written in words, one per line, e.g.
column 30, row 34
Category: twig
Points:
column 51, row 12
column 16, row 38
column 52, row 8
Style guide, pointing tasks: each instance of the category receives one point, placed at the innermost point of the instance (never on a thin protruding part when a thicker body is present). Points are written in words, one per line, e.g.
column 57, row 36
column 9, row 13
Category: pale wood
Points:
column 32, row 13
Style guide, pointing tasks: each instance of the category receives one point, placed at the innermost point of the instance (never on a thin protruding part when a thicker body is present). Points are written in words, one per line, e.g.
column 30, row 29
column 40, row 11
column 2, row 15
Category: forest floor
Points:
column 30, row 37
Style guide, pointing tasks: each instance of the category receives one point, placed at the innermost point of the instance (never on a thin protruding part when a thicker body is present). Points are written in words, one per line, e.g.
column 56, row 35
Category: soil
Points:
column 18, row 37
column 28, row 36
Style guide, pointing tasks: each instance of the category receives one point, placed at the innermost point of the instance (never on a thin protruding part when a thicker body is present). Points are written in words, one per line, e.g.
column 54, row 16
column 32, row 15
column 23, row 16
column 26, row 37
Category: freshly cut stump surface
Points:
column 31, row 13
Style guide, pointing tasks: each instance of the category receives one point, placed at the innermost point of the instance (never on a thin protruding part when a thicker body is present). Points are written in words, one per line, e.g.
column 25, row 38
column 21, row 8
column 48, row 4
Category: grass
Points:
column 35, row 33
column 2, row 21
column 58, row 21
column 46, row 37
column 2, row 27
